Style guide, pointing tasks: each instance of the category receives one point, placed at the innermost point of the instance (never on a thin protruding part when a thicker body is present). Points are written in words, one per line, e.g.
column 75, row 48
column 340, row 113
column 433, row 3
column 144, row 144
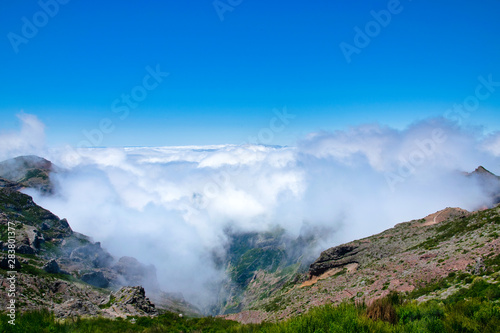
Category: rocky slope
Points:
column 410, row 255
column 66, row 271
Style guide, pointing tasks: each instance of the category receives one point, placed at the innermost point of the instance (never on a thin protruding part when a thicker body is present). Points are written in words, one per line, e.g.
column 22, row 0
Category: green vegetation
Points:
column 475, row 309
column 35, row 173
column 479, row 289
column 30, row 269
column 112, row 299
column 253, row 260
column 385, row 316
column 492, row 263
column 20, row 207
column 460, row 226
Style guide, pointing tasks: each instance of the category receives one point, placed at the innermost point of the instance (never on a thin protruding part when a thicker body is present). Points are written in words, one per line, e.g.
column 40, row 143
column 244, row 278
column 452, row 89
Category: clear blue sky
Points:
column 226, row 76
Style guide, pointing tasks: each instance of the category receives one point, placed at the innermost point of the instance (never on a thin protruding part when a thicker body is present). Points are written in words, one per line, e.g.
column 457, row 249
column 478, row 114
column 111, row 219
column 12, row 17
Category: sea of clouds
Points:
column 170, row 206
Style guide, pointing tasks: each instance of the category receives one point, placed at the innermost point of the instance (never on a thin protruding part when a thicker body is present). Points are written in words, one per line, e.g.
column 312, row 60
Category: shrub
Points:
column 382, row 309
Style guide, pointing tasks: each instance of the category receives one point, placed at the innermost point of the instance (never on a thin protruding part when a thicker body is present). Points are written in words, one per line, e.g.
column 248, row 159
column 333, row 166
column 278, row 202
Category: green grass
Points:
column 252, row 260
column 472, row 315
column 112, row 299
column 460, row 226
column 479, row 289
column 28, row 268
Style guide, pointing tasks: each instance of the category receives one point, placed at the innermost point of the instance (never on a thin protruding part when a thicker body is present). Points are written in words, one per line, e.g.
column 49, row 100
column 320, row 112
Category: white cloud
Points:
column 492, row 144
column 29, row 140
column 170, row 205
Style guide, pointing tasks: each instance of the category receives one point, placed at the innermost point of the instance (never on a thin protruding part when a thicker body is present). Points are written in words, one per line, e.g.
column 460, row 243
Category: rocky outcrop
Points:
column 130, row 301
column 92, row 253
column 334, row 257
column 52, row 267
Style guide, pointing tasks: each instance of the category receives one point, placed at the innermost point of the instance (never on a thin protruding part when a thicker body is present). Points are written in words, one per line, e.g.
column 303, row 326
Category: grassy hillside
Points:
column 476, row 309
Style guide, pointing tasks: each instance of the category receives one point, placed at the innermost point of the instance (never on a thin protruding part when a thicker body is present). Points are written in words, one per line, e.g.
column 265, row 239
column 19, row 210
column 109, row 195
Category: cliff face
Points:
column 335, row 257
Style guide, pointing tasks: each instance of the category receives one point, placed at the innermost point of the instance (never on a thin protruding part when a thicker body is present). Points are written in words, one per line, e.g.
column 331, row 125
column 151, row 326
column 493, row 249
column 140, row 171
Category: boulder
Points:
column 93, row 254
column 25, row 249
column 52, row 267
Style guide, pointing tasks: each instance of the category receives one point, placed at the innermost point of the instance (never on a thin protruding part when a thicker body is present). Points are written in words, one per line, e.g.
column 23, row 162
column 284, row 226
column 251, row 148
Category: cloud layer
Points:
column 169, row 206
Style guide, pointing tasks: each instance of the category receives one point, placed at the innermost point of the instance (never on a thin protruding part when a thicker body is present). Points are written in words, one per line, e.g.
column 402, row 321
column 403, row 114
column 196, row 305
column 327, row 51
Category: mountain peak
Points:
column 480, row 169
column 28, row 171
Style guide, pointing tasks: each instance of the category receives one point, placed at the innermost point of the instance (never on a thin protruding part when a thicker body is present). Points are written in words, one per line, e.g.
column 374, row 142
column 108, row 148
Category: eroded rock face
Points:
column 335, row 257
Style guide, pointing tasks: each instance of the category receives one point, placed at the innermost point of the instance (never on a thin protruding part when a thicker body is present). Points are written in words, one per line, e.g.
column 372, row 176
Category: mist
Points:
column 170, row 206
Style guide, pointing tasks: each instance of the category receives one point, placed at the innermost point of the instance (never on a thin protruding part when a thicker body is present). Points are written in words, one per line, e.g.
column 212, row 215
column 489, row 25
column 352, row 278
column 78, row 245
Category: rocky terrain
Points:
column 392, row 260
column 66, row 271
column 410, row 255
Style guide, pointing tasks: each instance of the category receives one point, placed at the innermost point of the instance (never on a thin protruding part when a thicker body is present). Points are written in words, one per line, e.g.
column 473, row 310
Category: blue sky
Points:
column 227, row 76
